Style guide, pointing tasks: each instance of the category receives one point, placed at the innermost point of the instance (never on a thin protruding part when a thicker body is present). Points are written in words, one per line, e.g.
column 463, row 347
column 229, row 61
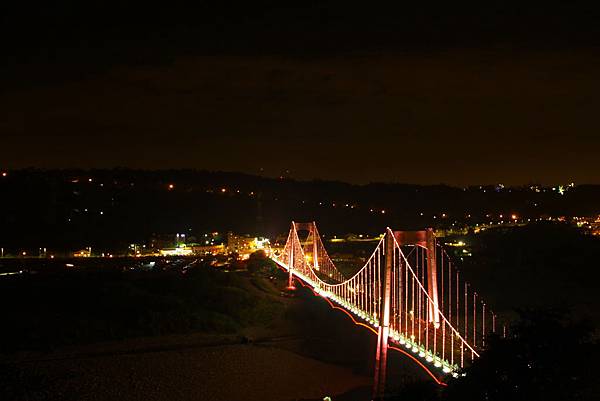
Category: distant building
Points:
column 244, row 245
column 178, row 251
column 208, row 249
column 595, row 226
column 83, row 253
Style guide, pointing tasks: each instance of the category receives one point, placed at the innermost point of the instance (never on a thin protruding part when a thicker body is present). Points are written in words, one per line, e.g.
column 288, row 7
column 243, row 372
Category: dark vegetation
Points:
column 547, row 357
column 543, row 265
column 57, row 307
column 44, row 312
column 259, row 264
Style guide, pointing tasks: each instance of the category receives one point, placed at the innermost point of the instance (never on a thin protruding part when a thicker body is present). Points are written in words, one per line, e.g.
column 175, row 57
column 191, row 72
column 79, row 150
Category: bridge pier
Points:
column 384, row 321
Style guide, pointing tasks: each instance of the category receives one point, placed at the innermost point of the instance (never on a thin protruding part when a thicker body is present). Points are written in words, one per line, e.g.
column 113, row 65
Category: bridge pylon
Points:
column 384, row 319
column 315, row 252
column 426, row 240
column 432, row 286
column 290, row 285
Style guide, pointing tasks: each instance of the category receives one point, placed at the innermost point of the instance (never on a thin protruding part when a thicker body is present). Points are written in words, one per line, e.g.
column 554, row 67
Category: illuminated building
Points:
column 208, row 249
column 83, row 253
column 244, row 245
column 595, row 226
column 181, row 250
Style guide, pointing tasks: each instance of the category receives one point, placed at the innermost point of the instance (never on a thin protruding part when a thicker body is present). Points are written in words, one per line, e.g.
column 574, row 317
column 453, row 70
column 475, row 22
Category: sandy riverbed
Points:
column 205, row 372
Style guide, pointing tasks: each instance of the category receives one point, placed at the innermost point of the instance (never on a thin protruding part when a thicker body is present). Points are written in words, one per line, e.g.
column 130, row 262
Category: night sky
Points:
column 428, row 93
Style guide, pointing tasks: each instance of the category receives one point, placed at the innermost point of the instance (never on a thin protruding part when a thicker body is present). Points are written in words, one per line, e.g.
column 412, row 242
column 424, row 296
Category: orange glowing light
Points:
column 438, row 381
column 171, row 186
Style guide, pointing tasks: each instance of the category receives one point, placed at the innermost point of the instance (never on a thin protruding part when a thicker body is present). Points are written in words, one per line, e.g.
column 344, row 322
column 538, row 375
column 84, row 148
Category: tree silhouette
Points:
column 545, row 357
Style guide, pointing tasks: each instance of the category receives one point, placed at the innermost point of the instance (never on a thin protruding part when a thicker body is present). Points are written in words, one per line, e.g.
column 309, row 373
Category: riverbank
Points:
column 184, row 368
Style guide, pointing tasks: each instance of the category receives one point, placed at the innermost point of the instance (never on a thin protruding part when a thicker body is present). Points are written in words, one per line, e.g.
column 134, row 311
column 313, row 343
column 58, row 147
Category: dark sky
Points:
column 430, row 93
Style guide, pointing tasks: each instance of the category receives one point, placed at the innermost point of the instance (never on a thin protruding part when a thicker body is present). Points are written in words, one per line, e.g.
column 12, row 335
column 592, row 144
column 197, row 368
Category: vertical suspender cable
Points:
column 442, row 269
column 474, row 323
column 474, row 319
column 466, row 312
column 483, row 326
column 449, row 292
column 412, row 312
column 427, row 329
column 457, row 300
column 379, row 283
column 421, row 296
column 406, row 292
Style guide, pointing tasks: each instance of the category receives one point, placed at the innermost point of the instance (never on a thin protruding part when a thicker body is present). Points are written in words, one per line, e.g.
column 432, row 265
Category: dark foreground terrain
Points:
column 207, row 334
column 204, row 334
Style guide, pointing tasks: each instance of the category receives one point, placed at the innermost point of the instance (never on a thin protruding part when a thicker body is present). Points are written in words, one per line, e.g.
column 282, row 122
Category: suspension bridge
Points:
column 408, row 292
